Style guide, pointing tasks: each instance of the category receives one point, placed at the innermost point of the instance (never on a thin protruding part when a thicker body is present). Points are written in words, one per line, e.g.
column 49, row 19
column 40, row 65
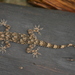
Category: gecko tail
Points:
column 49, row 45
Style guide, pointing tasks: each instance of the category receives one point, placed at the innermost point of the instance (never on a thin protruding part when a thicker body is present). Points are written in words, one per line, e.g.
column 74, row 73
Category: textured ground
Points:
column 59, row 28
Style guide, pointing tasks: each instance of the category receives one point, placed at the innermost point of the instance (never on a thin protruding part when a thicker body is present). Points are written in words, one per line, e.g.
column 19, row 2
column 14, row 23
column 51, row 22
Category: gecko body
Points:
column 29, row 39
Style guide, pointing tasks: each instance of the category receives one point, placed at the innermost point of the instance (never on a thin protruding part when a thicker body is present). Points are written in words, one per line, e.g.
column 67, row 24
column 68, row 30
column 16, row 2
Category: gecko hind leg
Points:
column 36, row 29
column 31, row 32
column 36, row 53
column 33, row 52
column 34, row 38
column 4, row 23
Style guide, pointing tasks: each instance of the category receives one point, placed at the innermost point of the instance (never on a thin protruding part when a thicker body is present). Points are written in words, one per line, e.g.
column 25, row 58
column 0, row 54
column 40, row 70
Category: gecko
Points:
column 29, row 39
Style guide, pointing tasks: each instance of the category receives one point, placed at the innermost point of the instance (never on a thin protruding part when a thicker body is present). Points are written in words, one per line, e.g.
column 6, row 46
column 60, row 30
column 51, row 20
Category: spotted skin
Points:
column 29, row 39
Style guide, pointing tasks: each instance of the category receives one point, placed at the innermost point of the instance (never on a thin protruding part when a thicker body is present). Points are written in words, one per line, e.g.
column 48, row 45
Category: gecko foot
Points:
column 3, row 22
column 35, row 53
column 37, row 29
column 2, row 49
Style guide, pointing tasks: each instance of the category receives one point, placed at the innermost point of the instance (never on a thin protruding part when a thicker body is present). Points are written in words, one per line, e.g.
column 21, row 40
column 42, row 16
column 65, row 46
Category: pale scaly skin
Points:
column 30, row 39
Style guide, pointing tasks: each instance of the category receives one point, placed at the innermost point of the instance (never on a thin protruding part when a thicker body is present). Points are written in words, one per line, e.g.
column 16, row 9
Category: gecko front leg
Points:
column 4, row 23
column 3, row 48
column 4, row 36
